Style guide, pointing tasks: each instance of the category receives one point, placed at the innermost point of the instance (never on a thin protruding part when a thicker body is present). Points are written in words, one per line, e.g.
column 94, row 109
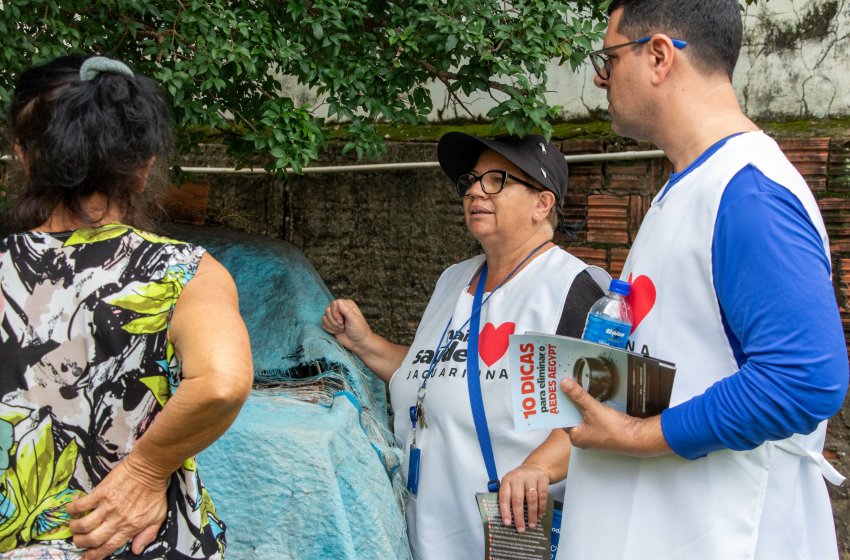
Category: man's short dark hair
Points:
column 712, row 28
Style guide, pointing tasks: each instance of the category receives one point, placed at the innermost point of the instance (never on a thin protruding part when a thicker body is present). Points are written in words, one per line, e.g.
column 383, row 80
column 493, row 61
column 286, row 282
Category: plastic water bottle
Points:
column 610, row 319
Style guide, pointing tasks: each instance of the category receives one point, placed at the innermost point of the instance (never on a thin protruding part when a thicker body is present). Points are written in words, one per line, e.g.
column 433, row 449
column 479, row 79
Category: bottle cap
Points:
column 620, row 287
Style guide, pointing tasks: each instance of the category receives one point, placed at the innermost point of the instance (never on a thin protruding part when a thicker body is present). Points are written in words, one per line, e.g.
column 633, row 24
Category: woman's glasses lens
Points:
column 492, row 182
column 464, row 183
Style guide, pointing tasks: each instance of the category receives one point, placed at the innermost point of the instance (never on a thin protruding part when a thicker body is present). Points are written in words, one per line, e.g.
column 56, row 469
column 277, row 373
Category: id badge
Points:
column 413, row 470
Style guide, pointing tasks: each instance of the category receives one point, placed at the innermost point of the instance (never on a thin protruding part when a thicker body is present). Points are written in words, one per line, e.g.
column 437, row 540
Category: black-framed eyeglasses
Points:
column 492, row 182
column 602, row 62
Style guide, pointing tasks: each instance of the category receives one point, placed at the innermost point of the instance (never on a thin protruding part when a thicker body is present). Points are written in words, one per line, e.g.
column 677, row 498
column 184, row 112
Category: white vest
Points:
column 767, row 503
column 443, row 520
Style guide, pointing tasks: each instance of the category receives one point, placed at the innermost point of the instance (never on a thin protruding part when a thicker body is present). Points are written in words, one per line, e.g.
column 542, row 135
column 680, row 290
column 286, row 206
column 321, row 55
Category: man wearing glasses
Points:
column 731, row 281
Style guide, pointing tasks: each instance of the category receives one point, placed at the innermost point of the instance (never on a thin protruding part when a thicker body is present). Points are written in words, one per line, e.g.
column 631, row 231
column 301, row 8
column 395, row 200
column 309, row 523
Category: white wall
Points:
column 808, row 77
column 812, row 77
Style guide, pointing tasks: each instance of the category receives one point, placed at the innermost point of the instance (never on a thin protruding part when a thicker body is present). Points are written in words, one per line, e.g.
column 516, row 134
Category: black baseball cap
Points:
column 458, row 153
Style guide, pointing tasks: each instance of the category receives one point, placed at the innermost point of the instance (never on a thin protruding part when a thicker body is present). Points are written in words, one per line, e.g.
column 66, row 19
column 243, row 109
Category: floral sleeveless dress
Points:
column 85, row 367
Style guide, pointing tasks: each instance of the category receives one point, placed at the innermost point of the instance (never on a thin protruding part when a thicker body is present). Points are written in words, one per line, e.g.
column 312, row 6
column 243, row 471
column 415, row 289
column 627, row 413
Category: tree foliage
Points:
column 368, row 61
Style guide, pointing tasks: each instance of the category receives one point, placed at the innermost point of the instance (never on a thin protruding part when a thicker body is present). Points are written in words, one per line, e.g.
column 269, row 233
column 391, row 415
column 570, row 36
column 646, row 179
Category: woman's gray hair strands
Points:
column 93, row 66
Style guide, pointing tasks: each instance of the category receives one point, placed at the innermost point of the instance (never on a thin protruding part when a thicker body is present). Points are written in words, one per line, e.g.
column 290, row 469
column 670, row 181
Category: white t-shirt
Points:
column 443, row 519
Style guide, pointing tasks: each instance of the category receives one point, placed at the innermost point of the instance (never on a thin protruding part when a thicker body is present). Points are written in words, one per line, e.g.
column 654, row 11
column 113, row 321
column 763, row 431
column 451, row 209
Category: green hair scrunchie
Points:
column 93, row 66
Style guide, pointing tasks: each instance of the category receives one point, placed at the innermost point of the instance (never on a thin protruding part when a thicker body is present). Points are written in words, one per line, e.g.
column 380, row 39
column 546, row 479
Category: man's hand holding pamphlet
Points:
column 631, row 383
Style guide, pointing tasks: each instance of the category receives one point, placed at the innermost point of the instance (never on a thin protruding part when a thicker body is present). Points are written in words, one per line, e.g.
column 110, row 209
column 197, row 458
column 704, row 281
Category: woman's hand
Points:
column 128, row 505
column 528, row 483
column 346, row 322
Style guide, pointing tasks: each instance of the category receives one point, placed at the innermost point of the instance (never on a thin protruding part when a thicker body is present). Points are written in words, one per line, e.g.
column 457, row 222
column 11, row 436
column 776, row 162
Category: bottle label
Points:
column 606, row 331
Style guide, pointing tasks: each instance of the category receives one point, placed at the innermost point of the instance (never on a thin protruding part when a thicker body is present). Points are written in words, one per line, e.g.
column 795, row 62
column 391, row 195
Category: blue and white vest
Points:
column 443, row 519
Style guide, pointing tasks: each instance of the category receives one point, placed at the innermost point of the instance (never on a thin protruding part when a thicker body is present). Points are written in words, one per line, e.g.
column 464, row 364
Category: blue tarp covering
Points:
column 308, row 470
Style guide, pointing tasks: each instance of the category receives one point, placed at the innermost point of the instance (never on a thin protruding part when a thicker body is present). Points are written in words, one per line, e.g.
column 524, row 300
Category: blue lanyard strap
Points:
column 440, row 351
column 474, row 386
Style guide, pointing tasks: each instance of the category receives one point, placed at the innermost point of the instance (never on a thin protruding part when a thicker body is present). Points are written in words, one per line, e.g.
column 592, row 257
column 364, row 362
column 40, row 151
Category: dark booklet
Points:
column 632, row 383
column 505, row 543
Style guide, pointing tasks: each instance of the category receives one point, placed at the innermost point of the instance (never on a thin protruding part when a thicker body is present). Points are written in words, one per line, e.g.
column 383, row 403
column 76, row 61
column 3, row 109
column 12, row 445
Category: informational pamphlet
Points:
column 632, row 383
column 503, row 542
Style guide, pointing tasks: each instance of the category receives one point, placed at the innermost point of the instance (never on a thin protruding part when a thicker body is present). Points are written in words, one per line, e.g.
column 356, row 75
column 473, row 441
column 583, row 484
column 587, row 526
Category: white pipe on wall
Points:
column 579, row 158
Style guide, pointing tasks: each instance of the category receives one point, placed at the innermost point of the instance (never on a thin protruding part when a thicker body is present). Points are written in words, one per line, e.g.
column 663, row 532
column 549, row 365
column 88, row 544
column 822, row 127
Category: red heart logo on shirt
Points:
column 493, row 342
column 642, row 298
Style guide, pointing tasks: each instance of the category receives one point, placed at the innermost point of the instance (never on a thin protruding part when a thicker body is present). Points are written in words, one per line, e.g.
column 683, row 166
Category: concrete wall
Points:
column 795, row 59
column 793, row 64
column 380, row 238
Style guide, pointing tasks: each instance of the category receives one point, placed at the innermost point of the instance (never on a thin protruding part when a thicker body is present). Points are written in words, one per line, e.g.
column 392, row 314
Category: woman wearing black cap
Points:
column 122, row 354
column 458, row 435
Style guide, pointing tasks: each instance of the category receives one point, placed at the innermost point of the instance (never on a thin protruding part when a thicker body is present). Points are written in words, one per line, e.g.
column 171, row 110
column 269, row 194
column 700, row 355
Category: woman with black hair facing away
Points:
column 122, row 354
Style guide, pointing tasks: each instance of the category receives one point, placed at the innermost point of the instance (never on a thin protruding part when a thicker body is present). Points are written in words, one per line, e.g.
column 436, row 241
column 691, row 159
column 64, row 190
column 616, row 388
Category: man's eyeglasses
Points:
column 492, row 182
column 602, row 63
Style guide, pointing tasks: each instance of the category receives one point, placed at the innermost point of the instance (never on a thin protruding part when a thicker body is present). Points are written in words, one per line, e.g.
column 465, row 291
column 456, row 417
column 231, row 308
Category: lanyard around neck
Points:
column 440, row 351
column 474, row 385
